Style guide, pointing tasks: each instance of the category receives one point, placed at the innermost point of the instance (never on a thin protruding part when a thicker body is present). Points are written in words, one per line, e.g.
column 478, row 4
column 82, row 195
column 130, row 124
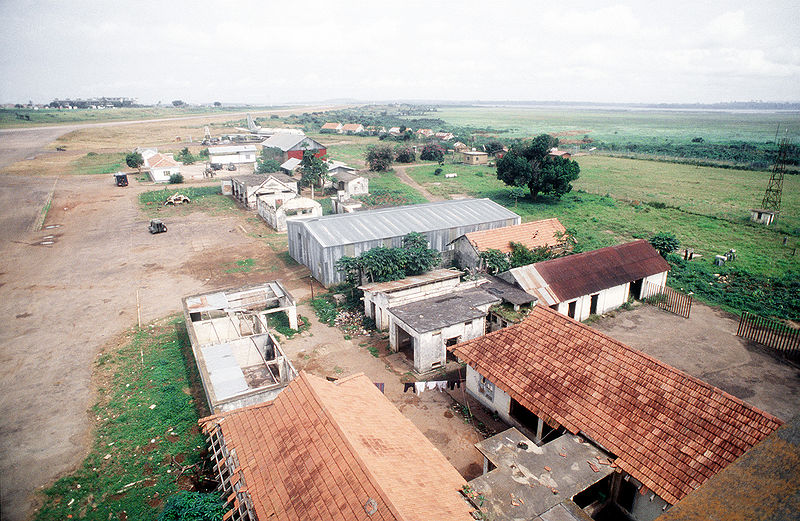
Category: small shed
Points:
column 423, row 330
column 276, row 213
column 319, row 242
column 274, row 188
column 235, row 154
column 347, row 180
column 762, row 216
column 161, row 167
column 474, row 157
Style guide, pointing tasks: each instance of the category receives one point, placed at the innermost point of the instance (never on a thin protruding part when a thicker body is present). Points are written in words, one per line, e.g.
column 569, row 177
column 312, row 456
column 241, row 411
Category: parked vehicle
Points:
column 121, row 179
column 156, row 226
column 231, row 167
column 177, row 199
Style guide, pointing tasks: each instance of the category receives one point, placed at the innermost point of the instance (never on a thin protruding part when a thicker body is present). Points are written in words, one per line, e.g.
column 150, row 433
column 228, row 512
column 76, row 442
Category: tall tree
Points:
column 529, row 165
column 134, row 160
column 313, row 170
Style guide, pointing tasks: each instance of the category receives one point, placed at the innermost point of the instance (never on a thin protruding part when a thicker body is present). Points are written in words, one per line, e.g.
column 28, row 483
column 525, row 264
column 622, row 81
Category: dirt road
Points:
column 405, row 178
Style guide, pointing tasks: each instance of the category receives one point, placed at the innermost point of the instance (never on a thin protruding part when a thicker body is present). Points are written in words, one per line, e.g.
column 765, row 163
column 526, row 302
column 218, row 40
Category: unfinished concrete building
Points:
column 276, row 212
column 274, row 188
column 240, row 362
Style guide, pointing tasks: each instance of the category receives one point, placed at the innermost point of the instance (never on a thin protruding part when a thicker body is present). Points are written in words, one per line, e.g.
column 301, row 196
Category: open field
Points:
column 9, row 119
column 600, row 220
column 94, row 163
column 626, row 125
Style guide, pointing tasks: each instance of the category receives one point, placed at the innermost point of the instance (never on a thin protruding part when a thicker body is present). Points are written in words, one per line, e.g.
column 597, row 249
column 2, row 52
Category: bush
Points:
column 432, row 152
column 665, row 243
column 176, row 179
column 438, row 171
column 266, row 166
column 405, row 155
column 380, row 157
column 193, row 506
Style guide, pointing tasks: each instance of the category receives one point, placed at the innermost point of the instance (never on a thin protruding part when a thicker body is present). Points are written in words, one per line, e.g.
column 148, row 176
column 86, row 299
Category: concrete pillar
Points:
column 292, row 314
column 485, row 465
column 539, row 430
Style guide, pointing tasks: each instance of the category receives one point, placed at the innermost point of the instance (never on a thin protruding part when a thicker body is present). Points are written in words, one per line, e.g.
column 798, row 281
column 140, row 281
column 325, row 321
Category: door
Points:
column 593, row 304
column 572, row 307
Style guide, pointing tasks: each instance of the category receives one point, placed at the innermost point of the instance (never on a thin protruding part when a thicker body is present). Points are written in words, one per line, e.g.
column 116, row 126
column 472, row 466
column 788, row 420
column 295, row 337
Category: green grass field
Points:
column 625, row 125
column 207, row 199
column 599, row 220
column 94, row 163
column 387, row 190
column 146, row 421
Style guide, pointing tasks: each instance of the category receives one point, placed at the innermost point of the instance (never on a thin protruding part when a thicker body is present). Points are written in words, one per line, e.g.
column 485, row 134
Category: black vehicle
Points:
column 156, row 226
column 121, row 179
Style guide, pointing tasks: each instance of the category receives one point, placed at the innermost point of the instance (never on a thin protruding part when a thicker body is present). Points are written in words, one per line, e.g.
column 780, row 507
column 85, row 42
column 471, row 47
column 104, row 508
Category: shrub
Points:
column 193, row 506
column 438, row 171
column 432, row 152
column 380, row 157
column 176, row 179
column 405, row 155
column 665, row 243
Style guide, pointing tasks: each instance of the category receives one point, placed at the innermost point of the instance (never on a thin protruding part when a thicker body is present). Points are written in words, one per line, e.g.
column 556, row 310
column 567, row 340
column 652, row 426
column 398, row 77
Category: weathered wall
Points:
column 464, row 254
column 383, row 300
column 500, row 402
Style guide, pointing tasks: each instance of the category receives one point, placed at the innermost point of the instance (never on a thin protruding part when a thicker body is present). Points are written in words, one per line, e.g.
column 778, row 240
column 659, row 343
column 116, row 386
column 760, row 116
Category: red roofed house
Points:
column 554, row 152
column 593, row 282
column 332, row 128
column 534, row 234
column 331, row 450
column 161, row 167
column 666, row 432
column 353, row 128
column 426, row 132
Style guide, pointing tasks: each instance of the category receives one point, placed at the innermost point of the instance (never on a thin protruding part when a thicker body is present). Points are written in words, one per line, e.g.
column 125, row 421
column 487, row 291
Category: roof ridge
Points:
column 654, row 360
column 361, row 463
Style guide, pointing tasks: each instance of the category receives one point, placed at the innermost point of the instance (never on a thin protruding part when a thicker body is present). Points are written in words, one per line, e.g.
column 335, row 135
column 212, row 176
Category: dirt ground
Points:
column 706, row 346
column 93, row 271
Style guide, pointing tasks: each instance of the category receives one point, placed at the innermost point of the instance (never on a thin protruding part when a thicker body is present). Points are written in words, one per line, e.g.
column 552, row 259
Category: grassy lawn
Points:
column 625, row 125
column 600, row 220
column 347, row 149
column 716, row 192
column 385, row 189
column 207, row 199
column 97, row 163
column 145, row 430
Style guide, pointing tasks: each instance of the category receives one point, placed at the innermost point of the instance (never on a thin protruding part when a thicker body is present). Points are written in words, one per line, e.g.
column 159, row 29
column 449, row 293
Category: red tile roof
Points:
column 331, row 126
column 351, row 126
column 586, row 273
column 669, row 430
column 533, row 235
column 321, row 450
column 161, row 161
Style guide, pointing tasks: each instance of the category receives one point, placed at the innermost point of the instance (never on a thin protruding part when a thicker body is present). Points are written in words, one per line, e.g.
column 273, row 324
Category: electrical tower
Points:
column 772, row 197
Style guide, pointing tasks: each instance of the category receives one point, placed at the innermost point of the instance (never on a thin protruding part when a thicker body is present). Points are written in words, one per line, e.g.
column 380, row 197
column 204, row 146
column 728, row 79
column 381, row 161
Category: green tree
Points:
column 529, row 165
column 178, row 103
column 493, row 147
column 521, row 255
column 516, row 193
column 432, row 152
column 384, row 264
column 217, row 104
column 313, row 170
column 176, row 179
column 419, row 258
column 664, row 243
column 495, row 261
column 405, row 154
column 134, row 160
column 193, row 506
column 185, row 157
column 380, row 157
column 266, row 162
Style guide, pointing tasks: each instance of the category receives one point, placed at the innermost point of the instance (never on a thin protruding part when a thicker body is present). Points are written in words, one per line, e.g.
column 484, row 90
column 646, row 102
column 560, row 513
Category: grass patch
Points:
column 374, row 351
column 134, row 442
column 242, row 266
column 325, row 309
column 208, row 199
column 280, row 323
column 385, row 189
column 97, row 163
column 287, row 259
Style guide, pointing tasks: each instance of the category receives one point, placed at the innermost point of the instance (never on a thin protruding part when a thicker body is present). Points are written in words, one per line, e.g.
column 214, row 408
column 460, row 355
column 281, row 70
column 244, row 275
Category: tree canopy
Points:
column 664, row 243
column 432, row 152
column 529, row 165
column 405, row 154
column 313, row 170
column 383, row 264
column 134, row 160
column 380, row 157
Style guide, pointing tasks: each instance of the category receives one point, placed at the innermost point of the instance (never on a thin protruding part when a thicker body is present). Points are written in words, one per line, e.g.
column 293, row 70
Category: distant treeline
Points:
column 729, row 105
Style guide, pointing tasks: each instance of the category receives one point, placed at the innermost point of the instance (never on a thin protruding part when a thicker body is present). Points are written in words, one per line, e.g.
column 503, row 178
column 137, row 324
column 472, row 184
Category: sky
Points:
column 270, row 52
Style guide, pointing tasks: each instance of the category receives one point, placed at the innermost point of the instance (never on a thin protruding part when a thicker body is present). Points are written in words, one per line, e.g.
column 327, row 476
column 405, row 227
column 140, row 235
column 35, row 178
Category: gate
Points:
column 667, row 299
column 770, row 333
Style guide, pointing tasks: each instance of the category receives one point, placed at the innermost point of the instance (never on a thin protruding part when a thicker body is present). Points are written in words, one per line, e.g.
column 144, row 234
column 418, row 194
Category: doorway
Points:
column 572, row 308
column 593, row 304
column 405, row 343
column 635, row 290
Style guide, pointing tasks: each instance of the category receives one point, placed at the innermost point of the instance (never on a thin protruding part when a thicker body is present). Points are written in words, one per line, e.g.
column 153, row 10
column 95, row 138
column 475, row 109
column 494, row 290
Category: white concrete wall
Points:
column 224, row 159
column 384, row 300
column 429, row 348
column 608, row 300
column 500, row 403
column 161, row 175
column 659, row 279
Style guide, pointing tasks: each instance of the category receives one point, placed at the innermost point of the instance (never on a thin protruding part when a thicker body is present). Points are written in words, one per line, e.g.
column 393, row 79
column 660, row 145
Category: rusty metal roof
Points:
column 585, row 273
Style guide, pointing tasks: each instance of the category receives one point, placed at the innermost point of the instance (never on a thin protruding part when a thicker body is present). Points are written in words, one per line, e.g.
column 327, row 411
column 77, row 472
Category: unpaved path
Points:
column 406, row 179
column 706, row 346
column 62, row 302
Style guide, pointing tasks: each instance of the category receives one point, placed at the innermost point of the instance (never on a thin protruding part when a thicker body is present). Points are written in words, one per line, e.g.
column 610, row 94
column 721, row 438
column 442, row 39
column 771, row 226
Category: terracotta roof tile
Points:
column 534, row 234
column 670, row 431
column 320, row 450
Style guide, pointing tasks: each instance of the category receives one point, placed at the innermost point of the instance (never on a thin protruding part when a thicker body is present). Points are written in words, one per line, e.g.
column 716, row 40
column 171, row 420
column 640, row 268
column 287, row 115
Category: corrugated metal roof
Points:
column 286, row 142
column 370, row 225
column 233, row 149
column 291, row 163
column 589, row 272
column 411, row 282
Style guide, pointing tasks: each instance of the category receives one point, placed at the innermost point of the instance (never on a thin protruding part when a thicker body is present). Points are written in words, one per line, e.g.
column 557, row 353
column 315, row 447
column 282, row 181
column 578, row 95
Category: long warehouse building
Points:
column 319, row 242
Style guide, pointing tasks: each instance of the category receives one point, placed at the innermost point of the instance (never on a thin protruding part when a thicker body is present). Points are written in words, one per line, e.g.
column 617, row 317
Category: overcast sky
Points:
column 279, row 51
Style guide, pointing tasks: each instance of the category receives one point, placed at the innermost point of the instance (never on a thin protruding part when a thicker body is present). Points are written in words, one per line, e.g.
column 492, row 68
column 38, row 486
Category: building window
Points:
column 486, row 388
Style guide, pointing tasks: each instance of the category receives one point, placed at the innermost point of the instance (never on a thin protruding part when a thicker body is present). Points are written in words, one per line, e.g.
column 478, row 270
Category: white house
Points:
column 593, row 282
column 276, row 212
column 161, row 167
column 347, row 180
column 274, row 188
column 235, row 154
column 353, row 128
column 423, row 330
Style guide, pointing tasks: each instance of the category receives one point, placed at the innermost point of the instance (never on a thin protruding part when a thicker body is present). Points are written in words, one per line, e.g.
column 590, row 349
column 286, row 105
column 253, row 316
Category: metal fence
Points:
column 771, row 333
column 667, row 299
